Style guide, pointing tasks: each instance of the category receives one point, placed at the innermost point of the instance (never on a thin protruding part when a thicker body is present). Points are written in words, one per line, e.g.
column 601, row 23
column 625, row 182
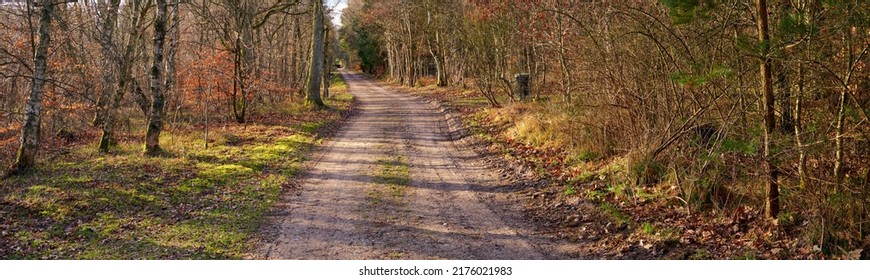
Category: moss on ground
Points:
column 192, row 203
column 391, row 181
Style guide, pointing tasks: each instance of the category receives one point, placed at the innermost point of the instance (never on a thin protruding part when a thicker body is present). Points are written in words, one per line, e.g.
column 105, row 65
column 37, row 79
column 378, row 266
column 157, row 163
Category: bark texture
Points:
column 155, row 119
column 109, row 18
column 314, row 73
column 124, row 65
column 772, row 203
column 30, row 129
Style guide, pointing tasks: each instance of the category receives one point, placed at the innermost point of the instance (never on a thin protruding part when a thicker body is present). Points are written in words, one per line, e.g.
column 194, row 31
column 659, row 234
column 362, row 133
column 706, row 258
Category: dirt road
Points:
column 393, row 184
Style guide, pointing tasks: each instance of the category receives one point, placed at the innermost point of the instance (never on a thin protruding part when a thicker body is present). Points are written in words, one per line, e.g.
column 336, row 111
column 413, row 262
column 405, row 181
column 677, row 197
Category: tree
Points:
column 155, row 118
column 435, row 19
column 124, row 64
column 327, row 65
column 235, row 24
column 106, row 33
column 315, row 71
column 772, row 203
column 172, row 52
column 107, row 45
column 30, row 130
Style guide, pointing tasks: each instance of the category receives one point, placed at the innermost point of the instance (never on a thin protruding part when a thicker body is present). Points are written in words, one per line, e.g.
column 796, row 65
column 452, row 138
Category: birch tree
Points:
column 155, row 118
column 124, row 63
column 30, row 129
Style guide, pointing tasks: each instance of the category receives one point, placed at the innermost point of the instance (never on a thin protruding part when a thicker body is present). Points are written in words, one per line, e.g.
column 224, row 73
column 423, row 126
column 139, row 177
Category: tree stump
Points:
column 522, row 90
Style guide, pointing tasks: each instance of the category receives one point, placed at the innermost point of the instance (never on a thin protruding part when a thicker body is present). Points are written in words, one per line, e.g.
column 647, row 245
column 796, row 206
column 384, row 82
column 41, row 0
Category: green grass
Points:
column 666, row 235
column 612, row 213
column 701, row 254
column 391, row 181
column 570, row 190
column 470, row 101
column 336, row 81
column 192, row 203
column 743, row 147
column 395, row 174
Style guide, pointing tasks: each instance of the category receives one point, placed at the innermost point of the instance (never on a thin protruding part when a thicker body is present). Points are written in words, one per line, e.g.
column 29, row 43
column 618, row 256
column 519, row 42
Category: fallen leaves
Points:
column 675, row 231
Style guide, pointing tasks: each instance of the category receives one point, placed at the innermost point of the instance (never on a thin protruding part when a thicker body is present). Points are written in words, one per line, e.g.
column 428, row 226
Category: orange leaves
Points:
column 485, row 10
column 213, row 72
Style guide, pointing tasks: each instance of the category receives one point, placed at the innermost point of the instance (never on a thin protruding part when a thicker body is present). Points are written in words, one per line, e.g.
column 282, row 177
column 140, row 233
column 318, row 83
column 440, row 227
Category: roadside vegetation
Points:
column 203, row 198
column 735, row 125
column 619, row 217
column 156, row 129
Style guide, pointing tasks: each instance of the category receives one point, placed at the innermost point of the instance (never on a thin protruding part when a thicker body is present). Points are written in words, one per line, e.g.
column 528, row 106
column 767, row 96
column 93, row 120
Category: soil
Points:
column 354, row 201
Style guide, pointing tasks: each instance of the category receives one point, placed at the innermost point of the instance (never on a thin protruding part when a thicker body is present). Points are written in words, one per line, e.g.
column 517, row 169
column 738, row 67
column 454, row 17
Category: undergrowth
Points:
column 696, row 198
column 191, row 203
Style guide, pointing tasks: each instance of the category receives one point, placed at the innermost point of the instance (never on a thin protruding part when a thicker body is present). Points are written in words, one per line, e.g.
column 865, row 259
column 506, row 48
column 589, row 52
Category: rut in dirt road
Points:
column 392, row 184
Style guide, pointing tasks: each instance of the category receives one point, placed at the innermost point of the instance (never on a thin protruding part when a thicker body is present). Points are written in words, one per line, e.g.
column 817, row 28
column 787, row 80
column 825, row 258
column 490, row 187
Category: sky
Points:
column 339, row 6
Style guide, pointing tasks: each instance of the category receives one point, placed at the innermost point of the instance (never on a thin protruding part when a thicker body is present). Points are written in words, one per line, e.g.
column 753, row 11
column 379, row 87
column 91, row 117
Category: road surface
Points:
column 393, row 184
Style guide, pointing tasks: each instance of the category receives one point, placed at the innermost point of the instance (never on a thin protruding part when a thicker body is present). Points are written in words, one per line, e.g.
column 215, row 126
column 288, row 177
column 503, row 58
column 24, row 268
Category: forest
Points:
column 719, row 107
column 88, row 87
column 170, row 128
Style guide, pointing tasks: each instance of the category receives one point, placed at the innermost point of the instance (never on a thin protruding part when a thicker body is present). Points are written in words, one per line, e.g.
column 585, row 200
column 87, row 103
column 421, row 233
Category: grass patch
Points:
column 394, row 171
column 701, row 254
column 336, row 81
column 668, row 236
column 570, row 190
column 471, row 101
column 391, row 179
column 612, row 213
column 193, row 203
column 395, row 174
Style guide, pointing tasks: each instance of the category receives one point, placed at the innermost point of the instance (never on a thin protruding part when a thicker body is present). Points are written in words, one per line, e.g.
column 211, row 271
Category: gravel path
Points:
column 439, row 200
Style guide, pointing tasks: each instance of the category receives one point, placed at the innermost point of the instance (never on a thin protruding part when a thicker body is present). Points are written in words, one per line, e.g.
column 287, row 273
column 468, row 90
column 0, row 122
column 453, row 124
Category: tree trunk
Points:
column 169, row 83
column 30, row 130
column 293, row 63
column 314, row 73
column 772, row 203
column 124, row 65
column 838, row 141
column 440, row 74
column 798, row 111
column 841, row 112
column 304, row 52
column 804, row 8
column 246, row 57
column 392, row 59
column 107, row 43
column 783, row 83
column 238, row 100
column 140, row 97
column 155, row 119
column 435, row 51
column 110, row 61
column 326, row 65
column 567, row 83
column 409, row 63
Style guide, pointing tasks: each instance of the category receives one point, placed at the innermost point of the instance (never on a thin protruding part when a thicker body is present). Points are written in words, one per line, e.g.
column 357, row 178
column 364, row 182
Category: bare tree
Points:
column 108, row 17
column 124, row 64
column 772, row 203
column 30, row 130
column 315, row 71
column 155, row 119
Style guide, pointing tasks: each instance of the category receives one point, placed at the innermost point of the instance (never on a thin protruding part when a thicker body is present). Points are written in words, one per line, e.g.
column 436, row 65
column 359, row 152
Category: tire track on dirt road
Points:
column 448, row 208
